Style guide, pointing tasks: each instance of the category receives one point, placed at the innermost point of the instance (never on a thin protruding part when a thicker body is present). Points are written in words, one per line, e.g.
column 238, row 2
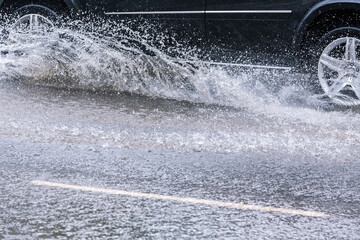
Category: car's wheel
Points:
column 338, row 65
column 34, row 19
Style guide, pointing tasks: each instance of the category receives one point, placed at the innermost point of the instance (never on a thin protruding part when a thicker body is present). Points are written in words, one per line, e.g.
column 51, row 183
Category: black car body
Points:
column 276, row 33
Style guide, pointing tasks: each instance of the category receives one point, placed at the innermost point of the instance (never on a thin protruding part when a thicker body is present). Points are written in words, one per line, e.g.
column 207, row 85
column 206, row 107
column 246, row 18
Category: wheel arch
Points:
column 320, row 10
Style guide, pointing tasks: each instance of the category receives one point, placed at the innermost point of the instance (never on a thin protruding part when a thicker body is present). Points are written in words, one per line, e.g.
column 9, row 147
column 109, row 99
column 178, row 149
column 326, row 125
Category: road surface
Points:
column 107, row 143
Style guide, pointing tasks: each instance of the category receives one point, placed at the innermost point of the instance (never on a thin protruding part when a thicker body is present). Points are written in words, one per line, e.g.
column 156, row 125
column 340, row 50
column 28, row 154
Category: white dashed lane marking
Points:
column 182, row 199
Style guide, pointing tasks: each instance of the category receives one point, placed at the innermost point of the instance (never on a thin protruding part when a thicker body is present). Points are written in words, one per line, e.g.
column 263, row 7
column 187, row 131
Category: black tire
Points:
column 314, row 52
column 335, row 34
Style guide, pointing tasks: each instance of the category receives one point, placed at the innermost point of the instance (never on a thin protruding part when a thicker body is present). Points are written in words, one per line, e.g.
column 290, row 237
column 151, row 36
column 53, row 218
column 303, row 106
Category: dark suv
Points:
column 323, row 35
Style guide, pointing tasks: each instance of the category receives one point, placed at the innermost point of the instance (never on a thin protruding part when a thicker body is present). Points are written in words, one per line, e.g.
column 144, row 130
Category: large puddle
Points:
column 134, row 95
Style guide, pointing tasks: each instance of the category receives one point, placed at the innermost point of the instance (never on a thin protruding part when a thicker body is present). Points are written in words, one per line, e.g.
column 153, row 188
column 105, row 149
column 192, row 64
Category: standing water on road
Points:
column 75, row 86
column 80, row 108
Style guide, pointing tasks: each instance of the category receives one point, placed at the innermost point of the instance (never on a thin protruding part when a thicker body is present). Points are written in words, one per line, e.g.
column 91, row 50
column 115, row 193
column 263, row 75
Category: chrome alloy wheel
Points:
column 33, row 23
column 339, row 70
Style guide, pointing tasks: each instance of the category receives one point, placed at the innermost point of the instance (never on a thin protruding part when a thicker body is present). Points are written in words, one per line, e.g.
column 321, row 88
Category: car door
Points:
column 252, row 27
column 179, row 19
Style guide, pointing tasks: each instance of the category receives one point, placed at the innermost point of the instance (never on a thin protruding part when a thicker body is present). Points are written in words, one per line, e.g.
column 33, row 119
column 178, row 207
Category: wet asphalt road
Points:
column 292, row 182
column 170, row 148
column 225, row 153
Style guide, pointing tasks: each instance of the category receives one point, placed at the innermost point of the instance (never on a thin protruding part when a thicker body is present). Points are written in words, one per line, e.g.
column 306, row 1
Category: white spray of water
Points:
column 80, row 60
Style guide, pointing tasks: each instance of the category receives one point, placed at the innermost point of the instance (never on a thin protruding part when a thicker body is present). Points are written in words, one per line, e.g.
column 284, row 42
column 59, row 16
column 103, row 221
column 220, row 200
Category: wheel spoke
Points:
column 31, row 22
column 36, row 21
column 337, row 86
column 356, row 88
column 334, row 64
column 350, row 53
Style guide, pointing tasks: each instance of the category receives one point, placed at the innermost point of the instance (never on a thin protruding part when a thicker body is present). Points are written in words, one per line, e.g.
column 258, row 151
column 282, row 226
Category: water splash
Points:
column 274, row 111
column 89, row 60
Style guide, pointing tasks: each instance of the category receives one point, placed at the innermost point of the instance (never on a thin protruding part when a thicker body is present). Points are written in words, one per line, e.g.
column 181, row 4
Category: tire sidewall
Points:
column 336, row 34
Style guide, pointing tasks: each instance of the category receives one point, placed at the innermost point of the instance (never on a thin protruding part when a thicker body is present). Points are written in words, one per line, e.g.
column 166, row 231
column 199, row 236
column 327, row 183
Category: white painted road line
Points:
column 182, row 199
